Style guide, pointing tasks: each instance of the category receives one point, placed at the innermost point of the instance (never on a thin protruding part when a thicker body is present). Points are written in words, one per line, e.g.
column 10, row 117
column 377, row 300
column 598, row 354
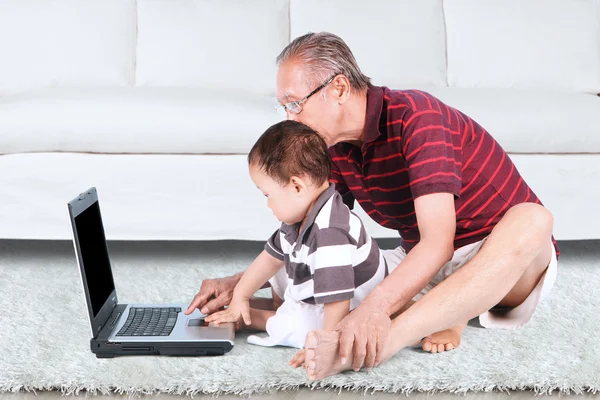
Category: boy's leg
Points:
column 258, row 319
column 261, row 309
column 263, row 303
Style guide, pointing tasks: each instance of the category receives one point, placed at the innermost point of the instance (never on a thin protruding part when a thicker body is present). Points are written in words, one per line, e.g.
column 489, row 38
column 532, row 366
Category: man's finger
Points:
column 214, row 304
column 371, row 351
column 346, row 343
column 198, row 301
column 360, row 350
column 381, row 341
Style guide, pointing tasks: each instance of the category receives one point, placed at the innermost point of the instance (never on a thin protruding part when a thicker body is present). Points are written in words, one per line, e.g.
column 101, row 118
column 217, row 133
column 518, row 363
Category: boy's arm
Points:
column 334, row 313
column 333, row 276
column 261, row 270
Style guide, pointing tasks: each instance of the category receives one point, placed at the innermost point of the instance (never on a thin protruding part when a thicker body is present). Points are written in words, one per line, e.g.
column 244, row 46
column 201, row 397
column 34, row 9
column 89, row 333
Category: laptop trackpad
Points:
column 197, row 322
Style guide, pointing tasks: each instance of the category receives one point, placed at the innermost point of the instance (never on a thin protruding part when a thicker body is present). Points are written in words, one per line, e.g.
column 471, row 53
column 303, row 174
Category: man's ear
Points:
column 341, row 87
column 300, row 185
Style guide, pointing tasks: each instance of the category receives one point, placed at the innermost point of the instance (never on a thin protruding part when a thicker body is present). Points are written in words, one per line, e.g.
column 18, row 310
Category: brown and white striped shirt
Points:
column 332, row 258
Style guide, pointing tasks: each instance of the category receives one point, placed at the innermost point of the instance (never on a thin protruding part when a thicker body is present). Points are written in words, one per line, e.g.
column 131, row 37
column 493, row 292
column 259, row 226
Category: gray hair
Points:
column 324, row 54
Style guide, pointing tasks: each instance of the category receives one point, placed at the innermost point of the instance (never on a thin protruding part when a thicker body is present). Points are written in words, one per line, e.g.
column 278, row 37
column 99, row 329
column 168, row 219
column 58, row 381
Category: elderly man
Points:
column 476, row 241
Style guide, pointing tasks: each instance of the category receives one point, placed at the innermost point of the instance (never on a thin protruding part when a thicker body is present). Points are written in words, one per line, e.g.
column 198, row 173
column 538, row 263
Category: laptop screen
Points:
column 94, row 256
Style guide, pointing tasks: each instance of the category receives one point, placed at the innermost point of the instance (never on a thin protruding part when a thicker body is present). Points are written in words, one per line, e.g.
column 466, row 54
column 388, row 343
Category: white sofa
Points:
column 157, row 102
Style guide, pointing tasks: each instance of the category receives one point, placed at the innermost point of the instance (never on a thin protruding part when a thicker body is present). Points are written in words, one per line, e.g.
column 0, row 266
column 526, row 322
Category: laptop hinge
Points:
column 111, row 323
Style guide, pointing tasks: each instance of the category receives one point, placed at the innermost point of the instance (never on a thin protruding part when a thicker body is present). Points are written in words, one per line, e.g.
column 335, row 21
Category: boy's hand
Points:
column 298, row 359
column 237, row 310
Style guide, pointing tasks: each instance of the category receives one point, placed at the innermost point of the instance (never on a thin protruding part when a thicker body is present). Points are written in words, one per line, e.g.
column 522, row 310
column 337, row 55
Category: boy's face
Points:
column 289, row 203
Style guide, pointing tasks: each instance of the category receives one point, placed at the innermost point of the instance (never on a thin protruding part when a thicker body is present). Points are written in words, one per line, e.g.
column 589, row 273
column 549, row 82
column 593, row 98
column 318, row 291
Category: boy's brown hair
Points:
column 290, row 148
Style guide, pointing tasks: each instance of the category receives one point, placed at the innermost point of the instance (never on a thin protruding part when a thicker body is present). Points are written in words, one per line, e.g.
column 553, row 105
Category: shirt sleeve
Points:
column 330, row 256
column 341, row 187
column 273, row 245
column 432, row 150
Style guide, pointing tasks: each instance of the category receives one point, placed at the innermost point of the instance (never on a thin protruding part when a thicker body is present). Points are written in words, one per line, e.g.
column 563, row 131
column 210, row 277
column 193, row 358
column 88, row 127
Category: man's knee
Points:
column 536, row 215
column 535, row 222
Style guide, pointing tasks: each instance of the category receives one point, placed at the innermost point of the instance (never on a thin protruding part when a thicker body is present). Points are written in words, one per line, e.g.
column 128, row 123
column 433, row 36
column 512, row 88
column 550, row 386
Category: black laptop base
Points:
column 105, row 349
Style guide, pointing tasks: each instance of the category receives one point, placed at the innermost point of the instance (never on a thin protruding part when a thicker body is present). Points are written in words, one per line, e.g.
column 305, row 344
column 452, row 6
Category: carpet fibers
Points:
column 44, row 332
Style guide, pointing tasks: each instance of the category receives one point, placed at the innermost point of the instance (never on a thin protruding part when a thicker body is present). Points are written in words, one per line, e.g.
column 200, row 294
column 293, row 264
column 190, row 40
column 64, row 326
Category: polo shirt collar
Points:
column 291, row 232
column 374, row 109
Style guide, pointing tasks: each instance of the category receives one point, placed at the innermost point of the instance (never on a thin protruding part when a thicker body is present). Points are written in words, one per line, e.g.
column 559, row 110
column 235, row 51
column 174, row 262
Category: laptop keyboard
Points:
column 150, row 321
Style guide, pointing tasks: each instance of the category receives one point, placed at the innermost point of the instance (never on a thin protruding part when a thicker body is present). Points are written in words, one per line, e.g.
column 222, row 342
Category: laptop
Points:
column 133, row 329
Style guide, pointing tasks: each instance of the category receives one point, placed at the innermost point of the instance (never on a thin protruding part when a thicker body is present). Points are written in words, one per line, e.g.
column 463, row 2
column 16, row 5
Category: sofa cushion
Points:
column 66, row 43
column 219, row 44
column 191, row 120
column 552, row 44
column 134, row 120
column 404, row 45
column 528, row 121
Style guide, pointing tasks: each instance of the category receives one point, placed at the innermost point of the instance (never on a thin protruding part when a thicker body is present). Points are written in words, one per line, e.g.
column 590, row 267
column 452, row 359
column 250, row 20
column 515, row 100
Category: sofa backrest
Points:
column 549, row 44
column 66, row 43
column 395, row 42
column 229, row 44
column 232, row 44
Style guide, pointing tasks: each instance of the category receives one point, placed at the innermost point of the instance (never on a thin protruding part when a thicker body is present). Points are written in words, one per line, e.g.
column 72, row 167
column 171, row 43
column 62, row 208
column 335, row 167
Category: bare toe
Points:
column 445, row 340
column 322, row 354
column 426, row 344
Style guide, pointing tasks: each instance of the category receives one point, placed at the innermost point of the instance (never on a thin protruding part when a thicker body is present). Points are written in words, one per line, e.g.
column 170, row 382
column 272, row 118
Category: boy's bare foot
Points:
column 444, row 340
column 298, row 359
column 324, row 346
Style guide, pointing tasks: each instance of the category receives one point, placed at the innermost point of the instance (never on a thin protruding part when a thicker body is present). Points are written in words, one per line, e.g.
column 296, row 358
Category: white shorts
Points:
column 507, row 319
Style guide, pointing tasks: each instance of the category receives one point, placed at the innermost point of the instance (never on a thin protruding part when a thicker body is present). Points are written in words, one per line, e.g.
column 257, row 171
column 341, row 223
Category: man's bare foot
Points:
column 444, row 340
column 322, row 355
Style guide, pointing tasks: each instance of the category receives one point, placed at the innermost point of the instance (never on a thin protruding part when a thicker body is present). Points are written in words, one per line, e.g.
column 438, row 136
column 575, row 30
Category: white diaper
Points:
column 290, row 324
column 293, row 319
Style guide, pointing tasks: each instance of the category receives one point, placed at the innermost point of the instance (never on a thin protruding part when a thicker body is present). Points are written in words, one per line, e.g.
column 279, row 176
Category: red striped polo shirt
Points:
column 414, row 145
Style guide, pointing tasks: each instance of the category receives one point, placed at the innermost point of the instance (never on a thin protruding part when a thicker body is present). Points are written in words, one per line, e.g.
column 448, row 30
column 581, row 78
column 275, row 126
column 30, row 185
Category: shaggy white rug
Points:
column 44, row 333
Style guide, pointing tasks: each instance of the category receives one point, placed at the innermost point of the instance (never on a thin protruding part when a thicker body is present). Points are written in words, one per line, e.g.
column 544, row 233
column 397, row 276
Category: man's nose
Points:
column 292, row 116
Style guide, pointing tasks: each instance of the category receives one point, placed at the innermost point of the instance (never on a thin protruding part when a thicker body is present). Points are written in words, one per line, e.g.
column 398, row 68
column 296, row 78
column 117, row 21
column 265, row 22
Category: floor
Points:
column 245, row 251
column 306, row 394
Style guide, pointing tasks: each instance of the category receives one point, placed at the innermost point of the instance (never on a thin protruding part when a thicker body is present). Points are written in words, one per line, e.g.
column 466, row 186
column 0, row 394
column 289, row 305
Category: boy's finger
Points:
column 214, row 317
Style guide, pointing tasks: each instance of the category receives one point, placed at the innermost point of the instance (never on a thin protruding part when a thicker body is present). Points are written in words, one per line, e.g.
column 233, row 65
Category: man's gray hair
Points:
column 323, row 55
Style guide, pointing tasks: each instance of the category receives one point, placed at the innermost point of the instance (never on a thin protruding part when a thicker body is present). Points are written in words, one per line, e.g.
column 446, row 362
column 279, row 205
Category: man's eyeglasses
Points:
column 295, row 107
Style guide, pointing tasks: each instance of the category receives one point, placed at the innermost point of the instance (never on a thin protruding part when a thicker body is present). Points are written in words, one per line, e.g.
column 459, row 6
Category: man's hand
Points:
column 214, row 294
column 364, row 330
column 237, row 311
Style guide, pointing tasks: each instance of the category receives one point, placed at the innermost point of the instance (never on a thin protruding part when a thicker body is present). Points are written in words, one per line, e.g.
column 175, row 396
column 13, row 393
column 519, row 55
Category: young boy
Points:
column 321, row 263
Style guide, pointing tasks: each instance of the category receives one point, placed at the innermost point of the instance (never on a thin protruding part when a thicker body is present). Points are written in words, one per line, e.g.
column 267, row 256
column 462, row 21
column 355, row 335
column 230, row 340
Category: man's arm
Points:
column 436, row 219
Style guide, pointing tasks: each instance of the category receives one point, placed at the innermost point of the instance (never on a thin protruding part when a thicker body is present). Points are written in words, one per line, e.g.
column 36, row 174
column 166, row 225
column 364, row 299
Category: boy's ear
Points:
column 298, row 183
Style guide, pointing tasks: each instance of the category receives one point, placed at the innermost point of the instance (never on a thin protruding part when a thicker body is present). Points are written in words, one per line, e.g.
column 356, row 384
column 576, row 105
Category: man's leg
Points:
column 504, row 272
column 445, row 340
